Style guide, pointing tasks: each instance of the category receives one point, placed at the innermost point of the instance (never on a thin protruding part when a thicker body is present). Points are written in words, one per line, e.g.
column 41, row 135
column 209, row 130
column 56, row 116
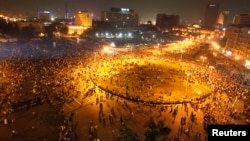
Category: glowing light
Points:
column 125, row 10
column 196, row 26
column 120, row 35
column 229, row 53
column 129, row 34
column 203, row 58
column 52, row 18
column 75, row 29
column 107, row 49
column 237, row 57
column 41, row 34
column 247, row 64
column 112, row 44
column 215, row 45
column 211, row 67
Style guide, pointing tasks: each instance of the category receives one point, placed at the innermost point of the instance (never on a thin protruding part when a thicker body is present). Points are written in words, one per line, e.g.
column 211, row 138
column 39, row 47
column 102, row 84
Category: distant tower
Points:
column 222, row 18
column 66, row 9
column 211, row 15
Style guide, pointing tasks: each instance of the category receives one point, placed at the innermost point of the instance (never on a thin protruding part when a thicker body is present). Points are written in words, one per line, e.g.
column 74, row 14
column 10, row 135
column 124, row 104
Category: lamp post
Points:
column 182, row 51
column 187, row 74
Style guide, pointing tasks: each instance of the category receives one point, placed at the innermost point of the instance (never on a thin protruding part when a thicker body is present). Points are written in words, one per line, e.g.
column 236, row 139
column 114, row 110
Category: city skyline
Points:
column 188, row 10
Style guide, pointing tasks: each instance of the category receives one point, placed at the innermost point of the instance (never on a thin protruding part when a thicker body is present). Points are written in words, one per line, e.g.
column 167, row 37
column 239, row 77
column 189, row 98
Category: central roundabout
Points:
column 150, row 80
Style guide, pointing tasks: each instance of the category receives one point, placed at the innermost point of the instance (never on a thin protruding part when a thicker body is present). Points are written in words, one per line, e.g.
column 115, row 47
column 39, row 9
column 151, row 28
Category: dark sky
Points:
column 189, row 10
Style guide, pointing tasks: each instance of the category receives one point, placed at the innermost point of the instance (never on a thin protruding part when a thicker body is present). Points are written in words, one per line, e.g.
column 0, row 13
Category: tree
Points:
column 156, row 130
column 64, row 29
column 52, row 28
column 126, row 134
column 28, row 31
column 152, row 133
column 152, row 124
column 9, row 28
column 3, row 25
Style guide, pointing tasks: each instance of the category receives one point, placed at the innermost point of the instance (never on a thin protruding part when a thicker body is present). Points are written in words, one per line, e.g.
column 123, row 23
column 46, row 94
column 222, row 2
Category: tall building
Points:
column 66, row 10
column 121, row 17
column 44, row 16
column 83, row 18
column 238, row 36
column 211, row 15
column 242, row 19
column 166, row 22
column 222, row 18
column 238, row 40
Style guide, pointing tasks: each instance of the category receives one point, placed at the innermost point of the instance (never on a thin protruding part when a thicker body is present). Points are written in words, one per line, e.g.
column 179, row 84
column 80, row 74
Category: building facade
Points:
column 211, row 15
column 121, row 17
column 197, row 31
column 242, row 19
column 238, row 40
column 83, row 18
column 44, row 16
column 166, row 22
column 224, row 20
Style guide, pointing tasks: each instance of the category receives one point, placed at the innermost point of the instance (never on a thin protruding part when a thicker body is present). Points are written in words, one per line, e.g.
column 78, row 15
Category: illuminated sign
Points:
column 121, row 10
column 125, row 10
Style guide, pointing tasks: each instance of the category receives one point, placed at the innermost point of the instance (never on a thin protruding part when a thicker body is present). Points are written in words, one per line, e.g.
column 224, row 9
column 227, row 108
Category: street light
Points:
column 182, row 51
column 187, row 74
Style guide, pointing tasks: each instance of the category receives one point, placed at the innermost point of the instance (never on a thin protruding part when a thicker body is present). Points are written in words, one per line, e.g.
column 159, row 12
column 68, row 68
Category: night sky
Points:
column 189, row 10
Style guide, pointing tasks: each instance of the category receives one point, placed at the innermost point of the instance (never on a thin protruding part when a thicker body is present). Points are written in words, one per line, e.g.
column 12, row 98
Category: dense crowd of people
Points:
column 59, row 78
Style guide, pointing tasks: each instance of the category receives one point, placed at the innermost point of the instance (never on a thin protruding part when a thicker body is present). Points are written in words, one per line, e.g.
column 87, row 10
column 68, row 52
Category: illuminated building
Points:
column 242, row 19
column 69, row 31
column 222, row 18
column 44, row 16
column 75, row 30
column 84, row 19
column 238, row 40
column 211, row 15
column 82, row 22
column 121, row 17
column 166, row 22
column 195, row 30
